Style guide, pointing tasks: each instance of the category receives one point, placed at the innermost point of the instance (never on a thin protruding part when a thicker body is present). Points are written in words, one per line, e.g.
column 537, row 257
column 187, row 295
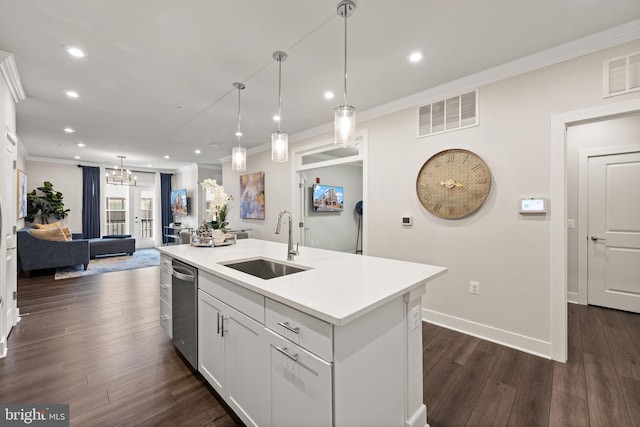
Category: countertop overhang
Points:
column 337, row 287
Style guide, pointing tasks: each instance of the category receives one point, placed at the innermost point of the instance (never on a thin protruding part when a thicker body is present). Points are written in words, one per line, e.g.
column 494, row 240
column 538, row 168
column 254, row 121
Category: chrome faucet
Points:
column 290, row 251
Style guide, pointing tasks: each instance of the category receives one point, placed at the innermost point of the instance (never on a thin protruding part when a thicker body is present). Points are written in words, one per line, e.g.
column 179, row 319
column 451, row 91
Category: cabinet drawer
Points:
column 309, row 332
column 165, row 289
column 165, row 262
column 245, row 301
column 165, row 317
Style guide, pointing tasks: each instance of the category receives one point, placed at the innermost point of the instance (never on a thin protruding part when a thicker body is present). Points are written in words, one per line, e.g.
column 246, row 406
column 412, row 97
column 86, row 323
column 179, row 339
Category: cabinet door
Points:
column 246, row 368
column 299, row 385
column 211, row 343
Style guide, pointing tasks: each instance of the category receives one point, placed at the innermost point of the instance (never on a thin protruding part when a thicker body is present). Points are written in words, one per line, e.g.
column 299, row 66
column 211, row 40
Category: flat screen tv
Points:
column 327, row 198
column 179, row 202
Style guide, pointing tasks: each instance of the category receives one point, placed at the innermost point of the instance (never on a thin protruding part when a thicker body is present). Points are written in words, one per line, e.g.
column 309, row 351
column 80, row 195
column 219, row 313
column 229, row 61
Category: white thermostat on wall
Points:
column 533, row 205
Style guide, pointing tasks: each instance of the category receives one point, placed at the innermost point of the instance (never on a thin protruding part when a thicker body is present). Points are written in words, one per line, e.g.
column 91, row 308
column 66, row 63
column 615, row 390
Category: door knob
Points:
column 596, row 238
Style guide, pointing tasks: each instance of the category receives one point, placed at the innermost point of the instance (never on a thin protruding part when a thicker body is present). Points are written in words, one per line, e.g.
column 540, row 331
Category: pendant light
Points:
column 279, row 139
column 239, row 153
column 345, row 115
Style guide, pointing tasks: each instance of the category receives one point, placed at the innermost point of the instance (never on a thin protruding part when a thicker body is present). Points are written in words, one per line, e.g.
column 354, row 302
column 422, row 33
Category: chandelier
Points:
column 120, row 176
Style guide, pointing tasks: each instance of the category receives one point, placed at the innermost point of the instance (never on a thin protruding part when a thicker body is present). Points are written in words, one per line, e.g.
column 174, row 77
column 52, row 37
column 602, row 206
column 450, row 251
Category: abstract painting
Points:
column 252, row 196
column 22, row 194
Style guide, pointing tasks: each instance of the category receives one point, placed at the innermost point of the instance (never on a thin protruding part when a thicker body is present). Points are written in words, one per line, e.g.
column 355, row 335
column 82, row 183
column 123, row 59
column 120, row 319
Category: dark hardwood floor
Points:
column 96, row 343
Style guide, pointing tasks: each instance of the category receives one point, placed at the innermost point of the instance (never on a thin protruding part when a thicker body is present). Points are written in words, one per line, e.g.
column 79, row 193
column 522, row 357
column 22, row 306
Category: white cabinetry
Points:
column 230, row 347
column 300, row 387
column 165, row 295
column 278, row 364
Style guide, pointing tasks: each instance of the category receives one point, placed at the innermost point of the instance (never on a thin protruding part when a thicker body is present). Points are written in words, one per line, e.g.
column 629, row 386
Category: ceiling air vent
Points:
column 622, row 75
column 453, row 113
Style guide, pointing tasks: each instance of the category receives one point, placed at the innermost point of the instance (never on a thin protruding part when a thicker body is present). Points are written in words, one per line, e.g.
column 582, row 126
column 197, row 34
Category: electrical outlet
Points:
column 474, row 288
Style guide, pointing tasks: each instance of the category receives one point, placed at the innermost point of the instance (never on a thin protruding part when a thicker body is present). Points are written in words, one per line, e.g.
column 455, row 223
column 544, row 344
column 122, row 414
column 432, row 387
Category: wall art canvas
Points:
column 252, row 196
column 21, row 203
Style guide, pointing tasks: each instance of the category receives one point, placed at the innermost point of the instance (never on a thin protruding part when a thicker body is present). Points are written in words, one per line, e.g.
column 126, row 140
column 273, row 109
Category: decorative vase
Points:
column 218, row 236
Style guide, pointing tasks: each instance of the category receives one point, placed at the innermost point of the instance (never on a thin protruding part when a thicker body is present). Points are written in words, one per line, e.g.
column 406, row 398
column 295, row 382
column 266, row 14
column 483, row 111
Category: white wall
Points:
column 335, row 230
column 509, row 254
column 278, row 195
column 67, row 179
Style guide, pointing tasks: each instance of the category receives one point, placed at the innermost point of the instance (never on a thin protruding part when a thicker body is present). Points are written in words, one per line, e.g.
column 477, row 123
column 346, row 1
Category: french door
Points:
column 130, row 210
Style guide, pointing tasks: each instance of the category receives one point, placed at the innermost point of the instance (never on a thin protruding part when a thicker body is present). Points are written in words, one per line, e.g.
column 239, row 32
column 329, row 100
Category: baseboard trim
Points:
column 572, row 297
column 419, row 419
column 3, row 348
column 489, row 333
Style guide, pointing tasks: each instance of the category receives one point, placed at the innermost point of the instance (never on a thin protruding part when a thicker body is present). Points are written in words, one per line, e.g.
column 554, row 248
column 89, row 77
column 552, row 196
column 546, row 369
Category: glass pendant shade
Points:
column 279, row 146
column 345, row 125
column 239, row 158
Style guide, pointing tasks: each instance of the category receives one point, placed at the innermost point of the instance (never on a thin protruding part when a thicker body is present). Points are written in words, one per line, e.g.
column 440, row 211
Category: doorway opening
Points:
column 340, row 223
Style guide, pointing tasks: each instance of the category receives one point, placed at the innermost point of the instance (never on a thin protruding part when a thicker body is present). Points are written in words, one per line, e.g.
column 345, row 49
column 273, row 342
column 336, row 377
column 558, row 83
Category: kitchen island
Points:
column 337, row 343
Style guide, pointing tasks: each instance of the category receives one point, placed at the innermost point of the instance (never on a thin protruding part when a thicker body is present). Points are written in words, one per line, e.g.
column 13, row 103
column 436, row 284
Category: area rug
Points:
column 140, row 258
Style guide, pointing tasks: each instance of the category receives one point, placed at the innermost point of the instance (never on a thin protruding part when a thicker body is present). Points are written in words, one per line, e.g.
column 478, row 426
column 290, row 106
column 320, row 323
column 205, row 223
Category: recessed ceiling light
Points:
column 276, row 118
column 72, row 94
column 238, row 133
column 197, row 151
column 415, row 57
column 76, row 157
column 69, row 130
column 81, row 144
column 167, row 157
column 75, row 51
column 149, row 165
column 329, row 95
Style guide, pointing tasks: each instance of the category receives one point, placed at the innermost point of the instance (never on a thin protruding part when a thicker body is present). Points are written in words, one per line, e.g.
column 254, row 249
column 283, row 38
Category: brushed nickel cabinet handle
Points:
column 286, row 326
column 286, row 353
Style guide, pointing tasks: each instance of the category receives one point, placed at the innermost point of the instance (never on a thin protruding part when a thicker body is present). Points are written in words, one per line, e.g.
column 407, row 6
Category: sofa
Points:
column 35, row 253
column 111, row 245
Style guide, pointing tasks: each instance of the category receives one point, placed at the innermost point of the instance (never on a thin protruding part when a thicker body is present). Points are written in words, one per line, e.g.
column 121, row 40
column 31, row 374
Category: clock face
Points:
column 453, row 183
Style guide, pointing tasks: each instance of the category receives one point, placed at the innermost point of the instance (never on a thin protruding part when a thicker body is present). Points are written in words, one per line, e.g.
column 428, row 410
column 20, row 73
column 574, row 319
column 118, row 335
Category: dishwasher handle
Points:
column 185, row 274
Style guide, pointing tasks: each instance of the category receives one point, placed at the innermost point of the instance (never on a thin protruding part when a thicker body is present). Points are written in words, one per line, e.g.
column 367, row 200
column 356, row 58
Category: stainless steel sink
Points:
column 264, row 268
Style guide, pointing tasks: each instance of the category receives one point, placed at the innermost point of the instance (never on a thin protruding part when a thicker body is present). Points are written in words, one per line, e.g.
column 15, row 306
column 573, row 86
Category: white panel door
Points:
column 246, row 368
column 614, row 231
column 211, row 343
column 300, row 385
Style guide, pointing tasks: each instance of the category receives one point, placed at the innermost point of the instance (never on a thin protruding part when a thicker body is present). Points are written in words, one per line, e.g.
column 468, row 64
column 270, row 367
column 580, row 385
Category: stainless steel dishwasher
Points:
column 184, row 310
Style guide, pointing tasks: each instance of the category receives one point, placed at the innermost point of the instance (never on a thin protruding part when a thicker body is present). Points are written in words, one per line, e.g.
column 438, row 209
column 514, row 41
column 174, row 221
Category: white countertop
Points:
column 337, row 288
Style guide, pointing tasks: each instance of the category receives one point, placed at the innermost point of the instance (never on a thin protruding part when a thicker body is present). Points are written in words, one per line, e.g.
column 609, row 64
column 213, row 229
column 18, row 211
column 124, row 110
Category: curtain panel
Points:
column 90, row 202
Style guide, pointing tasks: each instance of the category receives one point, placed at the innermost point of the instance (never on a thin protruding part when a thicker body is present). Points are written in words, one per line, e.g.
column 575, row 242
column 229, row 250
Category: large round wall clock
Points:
column 453, row 183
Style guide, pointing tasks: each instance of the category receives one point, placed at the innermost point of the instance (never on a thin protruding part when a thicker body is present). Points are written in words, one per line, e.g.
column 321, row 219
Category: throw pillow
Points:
column 67, row 233
column 53, row 225
column 53, row 234
column 56, row 224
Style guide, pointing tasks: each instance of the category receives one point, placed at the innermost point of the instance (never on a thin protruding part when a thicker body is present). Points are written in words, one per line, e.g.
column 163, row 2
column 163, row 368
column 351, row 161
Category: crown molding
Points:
column 11, row 75
column 592, row 43
column 571, row 50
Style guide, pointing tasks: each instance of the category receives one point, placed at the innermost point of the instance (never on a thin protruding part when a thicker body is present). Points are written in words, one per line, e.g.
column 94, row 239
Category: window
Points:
column 116, row 215
column 146, row 214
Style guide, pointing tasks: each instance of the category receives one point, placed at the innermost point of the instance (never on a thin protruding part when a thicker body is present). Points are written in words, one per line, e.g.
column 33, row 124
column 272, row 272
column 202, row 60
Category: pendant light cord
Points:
column 238, row 133
column 279, row 93
column 345, row 54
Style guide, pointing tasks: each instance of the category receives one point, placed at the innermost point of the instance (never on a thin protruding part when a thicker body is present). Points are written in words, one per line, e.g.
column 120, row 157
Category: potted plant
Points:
column 46, row 205
column 219, row 203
